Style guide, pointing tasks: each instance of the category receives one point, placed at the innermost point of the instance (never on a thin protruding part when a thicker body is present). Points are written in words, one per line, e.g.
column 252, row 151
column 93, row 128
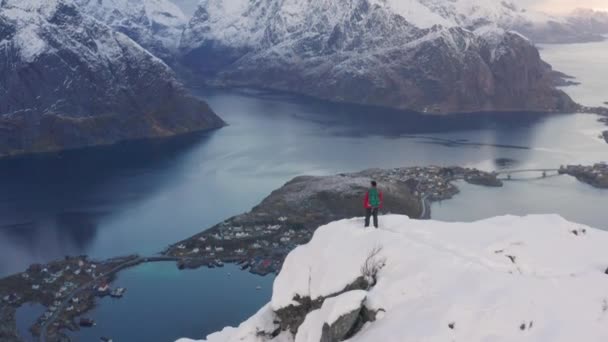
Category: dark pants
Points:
column 368, row 213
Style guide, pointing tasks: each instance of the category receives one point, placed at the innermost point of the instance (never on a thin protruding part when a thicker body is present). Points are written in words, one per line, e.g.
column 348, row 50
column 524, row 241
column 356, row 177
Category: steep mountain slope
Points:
column 415, row 54
column 156, row 25
column 68, row 81
column 502, row 279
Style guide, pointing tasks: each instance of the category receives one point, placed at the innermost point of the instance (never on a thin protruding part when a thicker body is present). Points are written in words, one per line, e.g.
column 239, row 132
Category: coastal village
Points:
column 52, row 285
column 595, row 175
column 257, row 241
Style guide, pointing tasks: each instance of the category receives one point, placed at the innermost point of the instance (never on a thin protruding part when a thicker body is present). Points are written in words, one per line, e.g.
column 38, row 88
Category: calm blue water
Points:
column 139, row 197
column 167, row 297
column 26, row 316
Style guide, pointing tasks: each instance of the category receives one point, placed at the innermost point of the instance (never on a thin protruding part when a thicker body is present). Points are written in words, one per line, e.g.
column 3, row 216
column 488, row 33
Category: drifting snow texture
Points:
column 534, row 278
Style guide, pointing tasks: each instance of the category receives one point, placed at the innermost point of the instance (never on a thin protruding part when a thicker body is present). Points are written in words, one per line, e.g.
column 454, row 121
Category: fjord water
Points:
column 141, row 196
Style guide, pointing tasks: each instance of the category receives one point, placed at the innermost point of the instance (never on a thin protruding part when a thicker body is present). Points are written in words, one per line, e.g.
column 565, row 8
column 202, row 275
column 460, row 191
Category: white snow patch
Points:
column 29, row 43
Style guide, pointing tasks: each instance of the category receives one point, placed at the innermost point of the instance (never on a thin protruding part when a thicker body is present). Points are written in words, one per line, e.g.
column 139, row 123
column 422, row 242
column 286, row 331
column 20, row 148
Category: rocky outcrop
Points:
column 69, row 81
column 483, row 178
column 605, row 135
column 371, row 52
column 290, row 318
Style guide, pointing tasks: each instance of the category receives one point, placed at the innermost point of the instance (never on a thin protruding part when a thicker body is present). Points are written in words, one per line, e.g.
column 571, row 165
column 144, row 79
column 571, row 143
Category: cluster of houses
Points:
column 256, row 246
column 596, row 175
column 54, row 283
column 432, row 182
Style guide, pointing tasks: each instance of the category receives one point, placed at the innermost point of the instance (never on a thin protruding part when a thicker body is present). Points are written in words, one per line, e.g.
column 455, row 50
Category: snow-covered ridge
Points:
column 534, row 278
column 422, row 55
column 242, row 22
column 157, row 25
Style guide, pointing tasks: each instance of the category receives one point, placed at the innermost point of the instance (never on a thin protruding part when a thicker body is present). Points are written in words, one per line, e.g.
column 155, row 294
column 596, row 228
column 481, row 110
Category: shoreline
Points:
column 257, row 241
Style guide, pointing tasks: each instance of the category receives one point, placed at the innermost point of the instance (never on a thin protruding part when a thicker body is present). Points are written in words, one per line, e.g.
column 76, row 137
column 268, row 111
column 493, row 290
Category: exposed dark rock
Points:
column 563, row 80
column 605, row 135
column 341, row 327
column 606, row 271
column 365, row 315
column 293, row 316
column 483, row 178
column 452, row 325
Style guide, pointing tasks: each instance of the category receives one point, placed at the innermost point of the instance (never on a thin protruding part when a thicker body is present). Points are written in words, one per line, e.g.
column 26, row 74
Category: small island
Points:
column 595, row 175
column 258, row 241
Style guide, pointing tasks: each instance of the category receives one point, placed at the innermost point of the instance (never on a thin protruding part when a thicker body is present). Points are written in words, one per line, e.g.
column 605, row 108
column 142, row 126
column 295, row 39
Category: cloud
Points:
column 565, row 5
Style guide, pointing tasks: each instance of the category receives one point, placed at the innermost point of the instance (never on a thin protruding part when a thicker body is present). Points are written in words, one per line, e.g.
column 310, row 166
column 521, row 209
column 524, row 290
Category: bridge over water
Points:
column 541, row 173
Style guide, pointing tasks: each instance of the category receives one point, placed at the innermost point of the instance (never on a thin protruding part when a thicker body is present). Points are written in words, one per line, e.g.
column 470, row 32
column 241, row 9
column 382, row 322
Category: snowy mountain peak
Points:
column 68, row 80
column 504, row 279
column 408, row 54
column 157, row 25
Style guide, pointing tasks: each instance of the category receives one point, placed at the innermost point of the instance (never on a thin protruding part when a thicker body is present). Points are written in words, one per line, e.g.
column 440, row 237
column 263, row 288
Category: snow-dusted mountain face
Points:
column 156, row 25
column 68, row 81
column 504, row 279
column 423, row 55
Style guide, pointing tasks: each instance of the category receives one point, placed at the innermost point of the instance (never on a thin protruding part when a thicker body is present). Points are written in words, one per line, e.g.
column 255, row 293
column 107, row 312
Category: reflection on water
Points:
column 53, row 205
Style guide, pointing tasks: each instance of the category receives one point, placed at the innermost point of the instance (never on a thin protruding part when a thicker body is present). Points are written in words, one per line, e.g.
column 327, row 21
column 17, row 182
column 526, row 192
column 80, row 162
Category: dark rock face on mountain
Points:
column 370, row 52
column 69, row 81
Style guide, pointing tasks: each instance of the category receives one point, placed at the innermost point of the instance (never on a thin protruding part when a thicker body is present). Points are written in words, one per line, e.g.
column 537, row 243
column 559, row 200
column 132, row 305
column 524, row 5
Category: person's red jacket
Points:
column 366, row 201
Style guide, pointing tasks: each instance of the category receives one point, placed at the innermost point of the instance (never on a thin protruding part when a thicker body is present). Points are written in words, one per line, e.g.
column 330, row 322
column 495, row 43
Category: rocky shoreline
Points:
column 258, row 241
column 595, row 175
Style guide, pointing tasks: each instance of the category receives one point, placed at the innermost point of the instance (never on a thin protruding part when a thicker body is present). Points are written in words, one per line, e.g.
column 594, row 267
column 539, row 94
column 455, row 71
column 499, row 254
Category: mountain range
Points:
column 422, row 55
column 81, row 73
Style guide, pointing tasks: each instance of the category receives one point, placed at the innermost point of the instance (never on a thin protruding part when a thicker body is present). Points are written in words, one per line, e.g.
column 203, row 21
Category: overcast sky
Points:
column 553, row 6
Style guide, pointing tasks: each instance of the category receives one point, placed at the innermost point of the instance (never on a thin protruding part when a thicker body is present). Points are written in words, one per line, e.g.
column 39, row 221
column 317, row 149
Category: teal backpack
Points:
column 374, row 198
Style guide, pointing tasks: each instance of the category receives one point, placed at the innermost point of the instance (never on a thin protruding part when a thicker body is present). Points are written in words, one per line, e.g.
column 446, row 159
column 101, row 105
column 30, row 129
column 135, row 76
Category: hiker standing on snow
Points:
column 373, row 202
